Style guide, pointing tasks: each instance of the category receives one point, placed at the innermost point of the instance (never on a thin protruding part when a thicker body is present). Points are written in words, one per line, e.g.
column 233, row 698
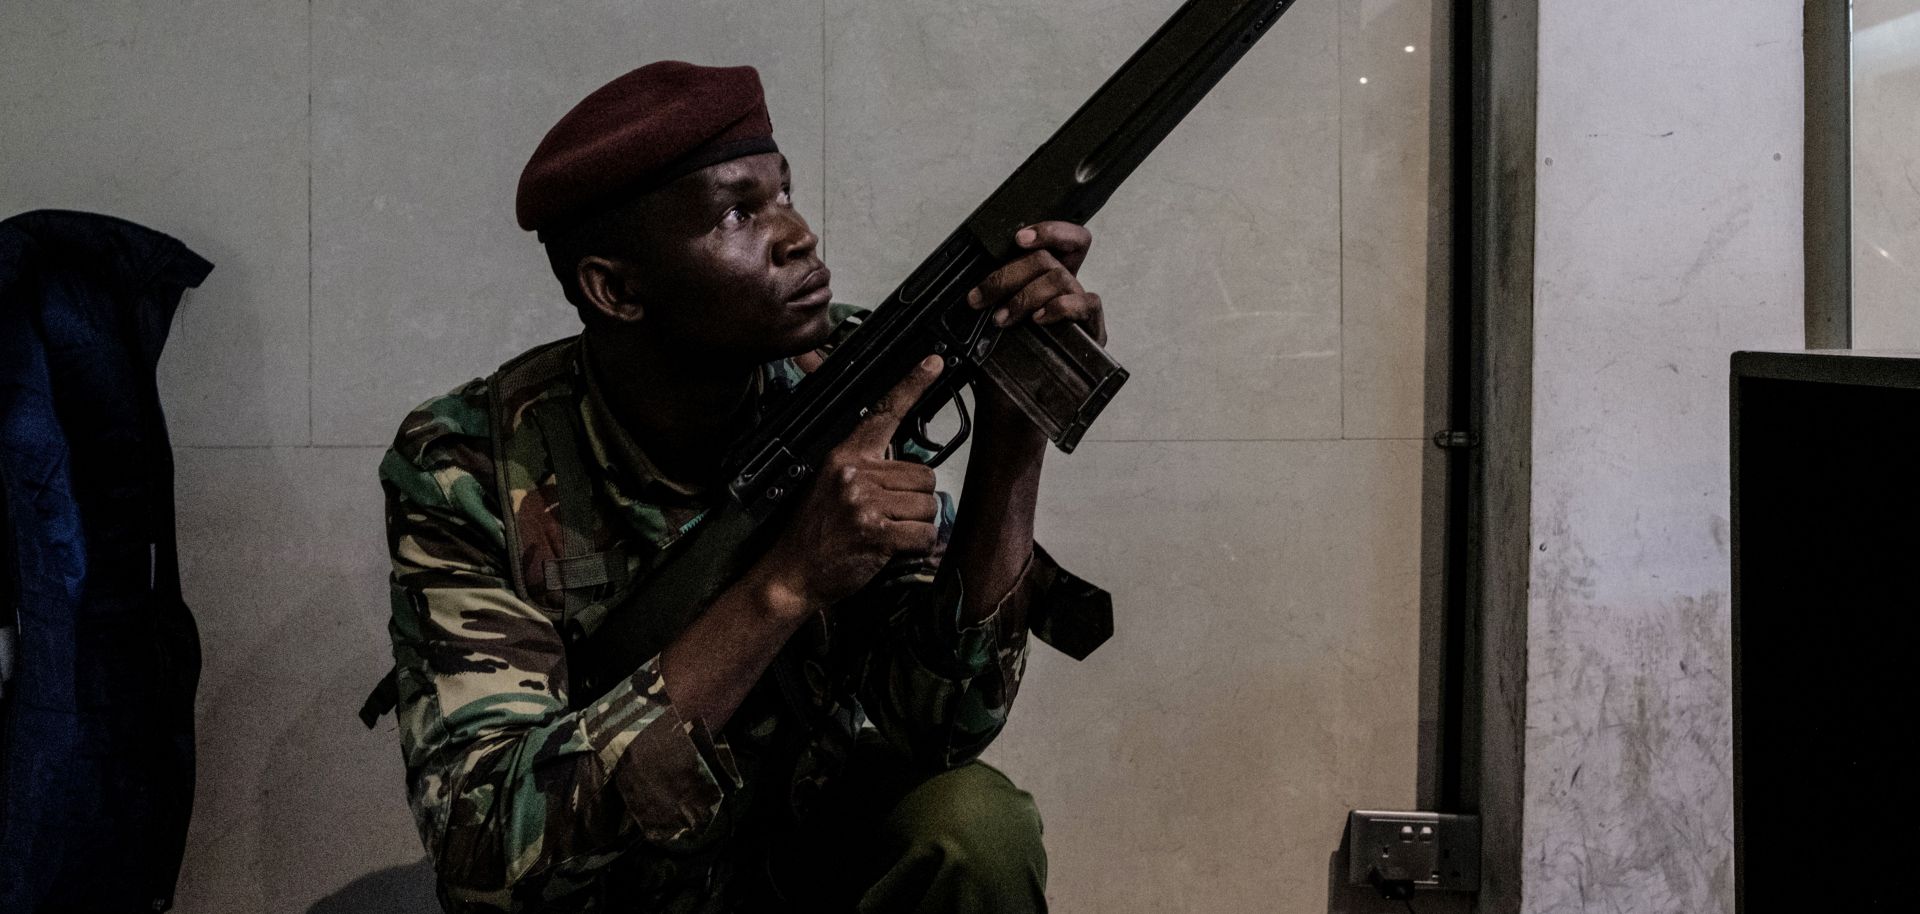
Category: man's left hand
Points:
column 1041, row 284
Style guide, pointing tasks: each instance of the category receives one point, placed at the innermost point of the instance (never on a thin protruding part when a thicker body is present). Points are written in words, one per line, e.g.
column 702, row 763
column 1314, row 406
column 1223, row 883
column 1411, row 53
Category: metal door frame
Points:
column 1829, row 173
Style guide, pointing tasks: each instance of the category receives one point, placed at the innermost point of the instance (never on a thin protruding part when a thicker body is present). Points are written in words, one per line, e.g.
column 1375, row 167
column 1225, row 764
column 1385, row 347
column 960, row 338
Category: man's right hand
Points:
column 862, row 509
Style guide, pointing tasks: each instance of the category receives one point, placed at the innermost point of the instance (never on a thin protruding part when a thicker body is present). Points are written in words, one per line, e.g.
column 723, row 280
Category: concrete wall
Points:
column 1886, row 174
column 1252, row 500
column 1668, row 234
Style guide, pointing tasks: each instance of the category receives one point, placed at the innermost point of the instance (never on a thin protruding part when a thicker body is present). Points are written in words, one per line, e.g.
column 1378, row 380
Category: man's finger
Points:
column 1044, row 288
column 1066, row 240
column 902, row 475
column 1076, row 306
column 1083, row 308
column 912, row 537
column 914, row 506
column 875, row 432
column 1010, row 278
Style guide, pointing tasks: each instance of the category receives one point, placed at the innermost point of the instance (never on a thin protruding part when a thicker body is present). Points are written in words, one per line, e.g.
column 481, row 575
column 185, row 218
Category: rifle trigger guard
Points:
column 920, row 435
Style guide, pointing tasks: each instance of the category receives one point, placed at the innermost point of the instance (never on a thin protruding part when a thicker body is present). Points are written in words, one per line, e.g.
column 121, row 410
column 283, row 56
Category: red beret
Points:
column 638, row 132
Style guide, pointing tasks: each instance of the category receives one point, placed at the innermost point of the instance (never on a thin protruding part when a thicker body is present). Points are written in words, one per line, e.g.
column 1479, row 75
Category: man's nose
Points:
column 795, row 241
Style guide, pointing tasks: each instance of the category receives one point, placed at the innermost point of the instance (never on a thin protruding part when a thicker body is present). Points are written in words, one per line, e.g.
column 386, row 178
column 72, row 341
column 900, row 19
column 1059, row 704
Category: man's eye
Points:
column 786, row 196
column 733, row 216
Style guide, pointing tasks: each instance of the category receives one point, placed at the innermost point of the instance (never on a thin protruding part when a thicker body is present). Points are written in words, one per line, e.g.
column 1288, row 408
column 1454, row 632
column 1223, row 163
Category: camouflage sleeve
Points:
column 507, row 786
column 939, row 691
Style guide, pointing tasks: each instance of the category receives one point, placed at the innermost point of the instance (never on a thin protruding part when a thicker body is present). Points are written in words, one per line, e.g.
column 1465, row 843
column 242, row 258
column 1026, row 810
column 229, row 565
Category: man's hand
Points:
column 861, row 509
column 1042, row 284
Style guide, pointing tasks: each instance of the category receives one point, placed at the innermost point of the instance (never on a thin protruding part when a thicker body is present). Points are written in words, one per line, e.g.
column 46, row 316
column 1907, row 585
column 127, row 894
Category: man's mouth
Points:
column 813, row 291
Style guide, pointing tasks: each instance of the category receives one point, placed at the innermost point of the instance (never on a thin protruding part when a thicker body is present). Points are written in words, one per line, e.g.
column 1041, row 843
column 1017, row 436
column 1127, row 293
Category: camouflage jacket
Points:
column 528, row 803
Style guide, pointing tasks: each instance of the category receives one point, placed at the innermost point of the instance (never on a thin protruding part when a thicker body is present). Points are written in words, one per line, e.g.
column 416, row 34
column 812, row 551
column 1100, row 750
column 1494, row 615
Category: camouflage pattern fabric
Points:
column 528, row 803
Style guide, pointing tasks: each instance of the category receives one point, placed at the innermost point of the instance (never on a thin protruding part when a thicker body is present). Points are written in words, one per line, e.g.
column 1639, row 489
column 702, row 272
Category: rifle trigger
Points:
column 920, row 435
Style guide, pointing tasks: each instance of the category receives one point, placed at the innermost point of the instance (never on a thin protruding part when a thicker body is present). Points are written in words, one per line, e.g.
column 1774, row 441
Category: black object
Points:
column 1057, row 375
column 96, row 729
column 1826, row 623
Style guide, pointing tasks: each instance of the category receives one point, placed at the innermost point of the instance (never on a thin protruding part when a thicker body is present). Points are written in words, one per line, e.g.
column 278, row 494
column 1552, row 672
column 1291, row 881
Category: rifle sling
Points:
column 576, row 500
column 645, row 617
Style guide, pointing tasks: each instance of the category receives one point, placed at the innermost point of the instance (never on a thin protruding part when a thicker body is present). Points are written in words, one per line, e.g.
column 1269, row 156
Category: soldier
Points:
column 809, row 741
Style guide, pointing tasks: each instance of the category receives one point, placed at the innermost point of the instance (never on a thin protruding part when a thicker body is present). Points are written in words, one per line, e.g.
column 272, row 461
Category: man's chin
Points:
column 813, row 334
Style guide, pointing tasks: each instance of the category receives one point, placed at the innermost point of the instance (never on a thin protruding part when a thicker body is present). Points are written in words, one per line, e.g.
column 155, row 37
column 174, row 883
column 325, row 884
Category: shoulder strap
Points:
column 579, row 570
column 643, row 618
column 519, row 394
column 544, row 437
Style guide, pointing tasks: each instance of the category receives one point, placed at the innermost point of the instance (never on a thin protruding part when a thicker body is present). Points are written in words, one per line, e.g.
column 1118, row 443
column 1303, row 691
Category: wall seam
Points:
column 310, row 346
column 1340, row 193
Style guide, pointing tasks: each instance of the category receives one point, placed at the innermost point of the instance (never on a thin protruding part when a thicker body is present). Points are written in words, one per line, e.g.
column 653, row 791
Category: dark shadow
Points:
column 394, row 890
column 1444, row 471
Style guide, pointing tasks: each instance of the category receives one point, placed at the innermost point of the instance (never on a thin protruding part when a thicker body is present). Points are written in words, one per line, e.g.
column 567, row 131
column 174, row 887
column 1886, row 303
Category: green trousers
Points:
column 958, row 842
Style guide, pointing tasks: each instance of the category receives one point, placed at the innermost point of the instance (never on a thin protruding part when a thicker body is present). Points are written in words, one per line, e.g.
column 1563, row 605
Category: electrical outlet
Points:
column 1428, row 850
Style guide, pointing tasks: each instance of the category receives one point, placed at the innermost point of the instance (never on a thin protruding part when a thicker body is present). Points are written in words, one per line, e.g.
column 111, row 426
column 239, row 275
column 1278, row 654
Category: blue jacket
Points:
column 96, row 724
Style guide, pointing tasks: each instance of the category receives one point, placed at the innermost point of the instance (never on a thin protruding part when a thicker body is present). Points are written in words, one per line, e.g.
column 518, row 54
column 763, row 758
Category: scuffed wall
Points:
column 1668, row 235
column 1885, row 74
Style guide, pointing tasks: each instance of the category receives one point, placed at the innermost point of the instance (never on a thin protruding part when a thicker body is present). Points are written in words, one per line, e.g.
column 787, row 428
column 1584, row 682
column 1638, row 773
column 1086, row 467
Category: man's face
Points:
column 728, row 267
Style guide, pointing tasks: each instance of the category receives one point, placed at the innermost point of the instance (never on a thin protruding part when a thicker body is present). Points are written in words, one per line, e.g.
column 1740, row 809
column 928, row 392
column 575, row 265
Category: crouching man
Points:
column 808, row 742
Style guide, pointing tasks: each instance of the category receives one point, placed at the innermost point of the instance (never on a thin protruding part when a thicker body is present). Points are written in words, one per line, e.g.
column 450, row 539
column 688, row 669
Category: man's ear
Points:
column 608, row 288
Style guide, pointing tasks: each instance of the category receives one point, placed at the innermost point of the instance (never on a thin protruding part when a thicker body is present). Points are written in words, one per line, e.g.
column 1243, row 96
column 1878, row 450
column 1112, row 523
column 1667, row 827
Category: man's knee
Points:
column 980, row 826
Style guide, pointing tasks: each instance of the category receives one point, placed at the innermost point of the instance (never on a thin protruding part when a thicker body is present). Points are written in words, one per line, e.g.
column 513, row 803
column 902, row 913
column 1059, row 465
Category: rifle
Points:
column 1056, row 374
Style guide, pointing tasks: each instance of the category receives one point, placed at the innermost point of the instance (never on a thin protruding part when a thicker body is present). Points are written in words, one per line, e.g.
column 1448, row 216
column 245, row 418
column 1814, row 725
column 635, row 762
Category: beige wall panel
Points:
column 1260, row 683
column 190, row 118
column 1386, row 64
column 283, row 564
column 1219, row 259
column 424, row 114
column 1263, row 679
column 1886, row 174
